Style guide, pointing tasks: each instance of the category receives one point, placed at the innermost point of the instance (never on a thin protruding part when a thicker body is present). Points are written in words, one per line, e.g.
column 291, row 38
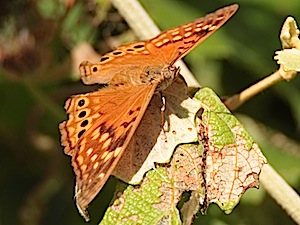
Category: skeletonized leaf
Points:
column 185, row 171
column 233, row 161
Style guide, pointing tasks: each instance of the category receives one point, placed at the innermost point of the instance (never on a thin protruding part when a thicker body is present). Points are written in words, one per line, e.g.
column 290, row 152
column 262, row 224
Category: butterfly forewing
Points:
column 164, row 49
column 101, row 124
column 173, row 44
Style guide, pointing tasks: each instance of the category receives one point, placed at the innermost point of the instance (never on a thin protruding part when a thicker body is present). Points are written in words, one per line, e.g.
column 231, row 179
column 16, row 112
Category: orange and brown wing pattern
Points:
column 173, row 44
column 164, row 49
column 99, row 127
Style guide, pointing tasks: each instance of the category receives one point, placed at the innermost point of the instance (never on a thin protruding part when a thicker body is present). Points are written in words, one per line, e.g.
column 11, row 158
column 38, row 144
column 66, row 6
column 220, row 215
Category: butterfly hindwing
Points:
column 99, row 127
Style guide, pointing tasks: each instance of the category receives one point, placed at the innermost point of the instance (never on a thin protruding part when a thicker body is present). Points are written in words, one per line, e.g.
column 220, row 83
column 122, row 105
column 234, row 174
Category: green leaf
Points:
column 144, row 204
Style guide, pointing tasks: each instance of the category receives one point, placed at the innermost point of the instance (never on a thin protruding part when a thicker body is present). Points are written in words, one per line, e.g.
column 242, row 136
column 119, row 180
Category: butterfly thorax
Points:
column 150, row 75
column 168, row 74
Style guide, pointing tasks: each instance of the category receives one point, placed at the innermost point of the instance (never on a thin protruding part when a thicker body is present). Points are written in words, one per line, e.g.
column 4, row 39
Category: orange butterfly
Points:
column 101, row 124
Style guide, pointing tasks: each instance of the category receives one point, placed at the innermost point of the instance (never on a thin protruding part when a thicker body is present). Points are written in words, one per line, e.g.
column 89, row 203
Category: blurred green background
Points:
column 39, row 42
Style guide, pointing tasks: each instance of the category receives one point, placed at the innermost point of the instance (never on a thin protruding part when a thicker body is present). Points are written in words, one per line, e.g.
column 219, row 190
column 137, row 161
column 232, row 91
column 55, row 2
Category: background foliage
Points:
column 38, row 39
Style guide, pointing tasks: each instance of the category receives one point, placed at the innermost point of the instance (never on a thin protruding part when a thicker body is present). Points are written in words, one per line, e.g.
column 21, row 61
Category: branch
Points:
column 288, row 60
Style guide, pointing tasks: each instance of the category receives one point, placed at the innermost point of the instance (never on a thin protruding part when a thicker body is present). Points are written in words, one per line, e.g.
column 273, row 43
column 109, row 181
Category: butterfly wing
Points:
column 99, row 127
column 173, row 44
column 164, row 49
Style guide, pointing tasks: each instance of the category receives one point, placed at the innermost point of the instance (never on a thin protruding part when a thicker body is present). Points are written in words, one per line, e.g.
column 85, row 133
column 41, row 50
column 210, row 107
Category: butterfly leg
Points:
column 162, row 114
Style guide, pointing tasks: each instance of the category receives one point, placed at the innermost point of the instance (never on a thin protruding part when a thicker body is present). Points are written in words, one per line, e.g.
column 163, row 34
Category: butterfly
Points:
column 100, row 124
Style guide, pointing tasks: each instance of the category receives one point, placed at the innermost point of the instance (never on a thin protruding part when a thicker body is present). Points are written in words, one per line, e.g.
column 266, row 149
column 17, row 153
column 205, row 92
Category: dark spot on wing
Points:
column 82, row 114
column 117, row 53
column 138, row 46
column 81, row 102
column 84, row 123
column 189, row 42
column 120, row 141
column 126, row 124
column 104, row 58
column 81, row 133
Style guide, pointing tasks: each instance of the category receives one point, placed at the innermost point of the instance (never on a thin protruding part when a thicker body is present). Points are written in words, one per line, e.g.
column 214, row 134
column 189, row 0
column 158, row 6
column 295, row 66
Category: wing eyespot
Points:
column 81, row 102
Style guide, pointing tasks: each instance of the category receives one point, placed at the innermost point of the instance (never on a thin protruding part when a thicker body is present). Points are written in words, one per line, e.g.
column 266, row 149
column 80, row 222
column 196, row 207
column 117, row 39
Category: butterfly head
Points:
column 169, row 73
